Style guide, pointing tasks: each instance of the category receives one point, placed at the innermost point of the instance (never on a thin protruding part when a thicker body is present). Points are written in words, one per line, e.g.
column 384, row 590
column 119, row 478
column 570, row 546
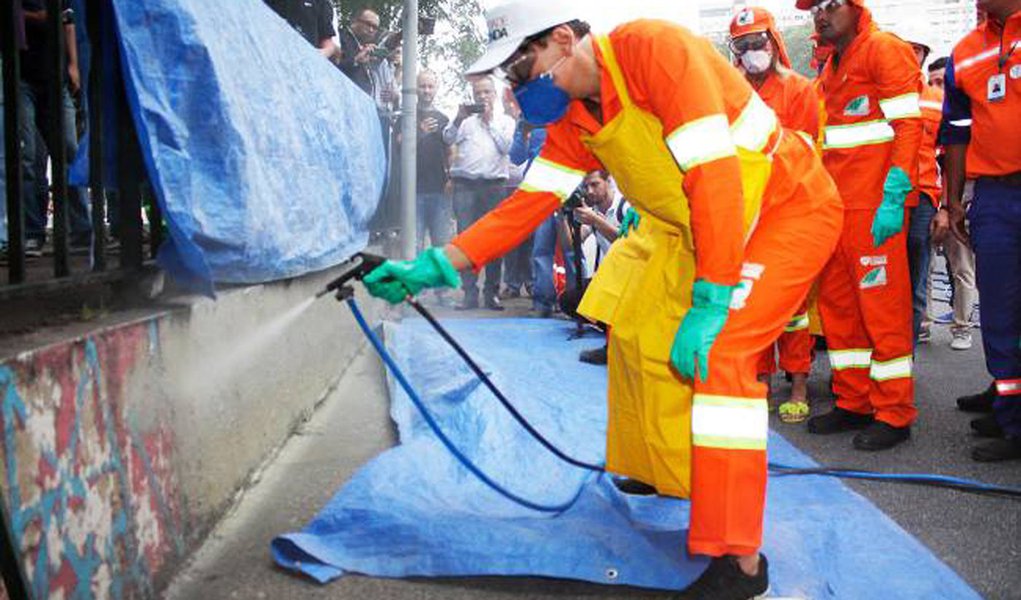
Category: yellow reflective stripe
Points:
column 852, row 358
column 701, row 141
column 901, row 107
column 897, row 368
column 547, row 176
column 729, row 422
column 857, row 134
column 798, row 323
column 754, row 126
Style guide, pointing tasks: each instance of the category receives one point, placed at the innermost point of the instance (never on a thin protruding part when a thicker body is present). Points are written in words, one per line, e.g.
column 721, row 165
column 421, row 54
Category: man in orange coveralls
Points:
column 698, row 153
column 762, row 56
column 870, row 88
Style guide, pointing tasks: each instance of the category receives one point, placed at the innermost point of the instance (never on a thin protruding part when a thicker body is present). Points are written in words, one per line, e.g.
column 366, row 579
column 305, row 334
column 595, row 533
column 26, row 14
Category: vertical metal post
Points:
column 94, row 24
column 12, row 144
column 409, row 130
column 58, row 129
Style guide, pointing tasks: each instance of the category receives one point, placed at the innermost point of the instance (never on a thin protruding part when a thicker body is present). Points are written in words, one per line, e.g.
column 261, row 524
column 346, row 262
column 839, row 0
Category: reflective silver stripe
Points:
column 857, row 134
column 798, row 323
column 729, row 422
column 701, row 141
column 853, row 358
column 930, row 104
column 754, row 126
column 901, row 107
column 1010, row 387
column 972, row 60
column 897, row 368
column 547, row 176
column 961, row 123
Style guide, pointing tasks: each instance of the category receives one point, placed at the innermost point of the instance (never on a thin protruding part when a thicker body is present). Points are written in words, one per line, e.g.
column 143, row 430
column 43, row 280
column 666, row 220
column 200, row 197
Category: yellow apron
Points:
column 642, row 290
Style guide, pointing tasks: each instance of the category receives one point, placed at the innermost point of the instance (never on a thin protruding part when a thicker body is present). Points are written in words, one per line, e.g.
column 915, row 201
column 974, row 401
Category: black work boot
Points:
column 880, row 436
column 634, row 487
column 595, row 356
column 724, row 580
column 981, row 402
column 997, row 450
column 838, row 420
column 987, row 426
column 493, row 303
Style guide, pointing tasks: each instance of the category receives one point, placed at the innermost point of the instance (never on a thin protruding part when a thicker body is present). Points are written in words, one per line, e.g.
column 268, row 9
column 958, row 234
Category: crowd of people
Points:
column 767, row 207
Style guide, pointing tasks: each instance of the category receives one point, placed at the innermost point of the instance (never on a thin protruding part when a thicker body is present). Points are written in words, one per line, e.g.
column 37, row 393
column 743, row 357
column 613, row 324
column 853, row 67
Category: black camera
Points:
column 475, row 109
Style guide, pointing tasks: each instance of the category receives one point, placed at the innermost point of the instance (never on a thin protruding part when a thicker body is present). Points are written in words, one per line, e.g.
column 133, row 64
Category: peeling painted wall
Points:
column 92, row 498
column 119, row 453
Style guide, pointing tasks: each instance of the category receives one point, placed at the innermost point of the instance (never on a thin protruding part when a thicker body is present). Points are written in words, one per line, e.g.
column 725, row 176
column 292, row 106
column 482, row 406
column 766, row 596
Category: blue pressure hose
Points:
column 778, row 470
column 464, row 460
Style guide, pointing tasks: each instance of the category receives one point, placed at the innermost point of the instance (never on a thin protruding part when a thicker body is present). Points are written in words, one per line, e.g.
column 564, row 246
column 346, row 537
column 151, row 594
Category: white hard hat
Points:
column 914, row 35
column 511, row 21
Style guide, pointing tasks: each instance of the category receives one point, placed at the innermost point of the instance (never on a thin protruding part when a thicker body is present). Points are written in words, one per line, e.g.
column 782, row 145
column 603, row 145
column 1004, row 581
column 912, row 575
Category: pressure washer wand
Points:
column 358, row 266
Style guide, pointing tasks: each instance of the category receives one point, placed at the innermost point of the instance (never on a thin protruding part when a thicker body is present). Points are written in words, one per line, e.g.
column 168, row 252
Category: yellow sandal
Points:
column 793, row 411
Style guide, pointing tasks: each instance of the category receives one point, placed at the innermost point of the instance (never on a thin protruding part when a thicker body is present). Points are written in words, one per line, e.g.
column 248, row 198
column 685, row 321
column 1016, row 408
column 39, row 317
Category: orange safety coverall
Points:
column 708, row 115
column 794, row 100
column 871, row 93
column 930, row 180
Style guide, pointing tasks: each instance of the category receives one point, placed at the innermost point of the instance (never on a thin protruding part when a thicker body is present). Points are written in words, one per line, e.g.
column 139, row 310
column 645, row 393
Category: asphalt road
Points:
column 979, row 537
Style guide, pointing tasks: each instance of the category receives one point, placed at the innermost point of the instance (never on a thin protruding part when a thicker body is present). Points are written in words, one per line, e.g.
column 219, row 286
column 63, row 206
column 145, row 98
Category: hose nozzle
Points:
column 357, row 267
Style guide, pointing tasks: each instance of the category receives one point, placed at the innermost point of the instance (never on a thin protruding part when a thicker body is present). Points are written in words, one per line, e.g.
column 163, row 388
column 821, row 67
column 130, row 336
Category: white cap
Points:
column 913, row 34
column 511, row 21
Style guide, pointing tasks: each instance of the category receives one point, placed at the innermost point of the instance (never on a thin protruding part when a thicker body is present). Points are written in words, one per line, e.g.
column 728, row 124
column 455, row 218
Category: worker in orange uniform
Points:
column 980, row 133
column 925, row 200
column 873, row 132
column 738, row 217
column 761, row 54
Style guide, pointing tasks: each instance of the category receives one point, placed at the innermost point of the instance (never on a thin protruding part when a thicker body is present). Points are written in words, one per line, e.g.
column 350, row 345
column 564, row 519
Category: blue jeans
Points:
column 34, row 126
column 995, row 218
column 919, row 255
column 435, row 217
column 544, row 243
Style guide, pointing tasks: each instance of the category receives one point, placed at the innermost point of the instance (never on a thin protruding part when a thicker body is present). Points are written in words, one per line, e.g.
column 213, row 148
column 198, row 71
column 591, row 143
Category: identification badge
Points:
column 997, row 87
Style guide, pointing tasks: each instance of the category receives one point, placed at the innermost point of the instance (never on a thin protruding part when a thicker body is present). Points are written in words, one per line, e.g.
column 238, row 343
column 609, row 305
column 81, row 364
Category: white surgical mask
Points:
column 756, row 61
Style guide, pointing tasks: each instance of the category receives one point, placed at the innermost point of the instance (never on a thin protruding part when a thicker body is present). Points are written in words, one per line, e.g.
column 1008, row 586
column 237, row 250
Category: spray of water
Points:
column 239, row 353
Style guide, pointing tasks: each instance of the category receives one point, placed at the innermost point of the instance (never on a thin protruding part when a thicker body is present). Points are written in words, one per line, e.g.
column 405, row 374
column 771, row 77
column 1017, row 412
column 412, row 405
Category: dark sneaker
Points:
column 997, row 450
column 987, row 427
column 595, row 356
column 838, row 420
column 880, row 436
column 493, row 303
column 724, row 580
column 470, row 302
column 981, row 402
column 634, row 487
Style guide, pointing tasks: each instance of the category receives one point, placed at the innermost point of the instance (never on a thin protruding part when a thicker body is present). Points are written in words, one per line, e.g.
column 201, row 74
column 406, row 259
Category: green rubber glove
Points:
column 889, row 219
column 630, row 222
column 394, row 281
column 710, row 307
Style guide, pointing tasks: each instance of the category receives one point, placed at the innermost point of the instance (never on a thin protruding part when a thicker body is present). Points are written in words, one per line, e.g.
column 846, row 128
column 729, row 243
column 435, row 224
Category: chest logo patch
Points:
column 873, row 278
column 858, row 107
column 1015, row 72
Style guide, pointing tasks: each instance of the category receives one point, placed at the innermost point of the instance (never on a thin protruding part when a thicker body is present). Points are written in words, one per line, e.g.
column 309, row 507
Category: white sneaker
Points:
column 961, row 341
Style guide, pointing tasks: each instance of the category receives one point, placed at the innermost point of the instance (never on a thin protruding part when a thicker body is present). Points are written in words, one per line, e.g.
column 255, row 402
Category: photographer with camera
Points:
column 482, row 138
column 364, row 58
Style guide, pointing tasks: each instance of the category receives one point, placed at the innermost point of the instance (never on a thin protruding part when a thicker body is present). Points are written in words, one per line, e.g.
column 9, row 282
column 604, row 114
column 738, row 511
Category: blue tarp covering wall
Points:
column 266, row 160
column 414, row 511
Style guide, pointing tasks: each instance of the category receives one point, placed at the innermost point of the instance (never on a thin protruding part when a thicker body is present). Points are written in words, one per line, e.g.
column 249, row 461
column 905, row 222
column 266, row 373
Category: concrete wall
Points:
column 121, row 448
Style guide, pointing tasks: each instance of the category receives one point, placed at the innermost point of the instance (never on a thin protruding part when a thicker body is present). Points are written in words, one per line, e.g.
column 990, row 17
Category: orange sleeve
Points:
column 804, row 108
column 896, row 73
column 550, row 180
column 678, row 74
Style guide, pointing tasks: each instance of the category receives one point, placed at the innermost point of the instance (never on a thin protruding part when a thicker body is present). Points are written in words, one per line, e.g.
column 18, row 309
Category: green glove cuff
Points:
column 897, row 186
column 705, row 294
column 438, row 258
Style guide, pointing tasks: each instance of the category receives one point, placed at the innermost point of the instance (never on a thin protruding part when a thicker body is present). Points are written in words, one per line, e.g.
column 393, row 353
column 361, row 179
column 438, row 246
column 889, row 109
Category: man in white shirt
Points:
column 482, row 138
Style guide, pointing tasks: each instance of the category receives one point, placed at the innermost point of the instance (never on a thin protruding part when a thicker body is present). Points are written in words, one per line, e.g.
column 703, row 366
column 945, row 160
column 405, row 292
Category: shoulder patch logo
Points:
column 746, row 17
column 858, row 107
column 873, row 278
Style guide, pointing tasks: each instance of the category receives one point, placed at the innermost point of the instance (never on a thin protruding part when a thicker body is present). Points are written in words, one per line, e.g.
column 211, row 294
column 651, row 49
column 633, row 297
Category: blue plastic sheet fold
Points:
column 415, row 511
column 266, row 160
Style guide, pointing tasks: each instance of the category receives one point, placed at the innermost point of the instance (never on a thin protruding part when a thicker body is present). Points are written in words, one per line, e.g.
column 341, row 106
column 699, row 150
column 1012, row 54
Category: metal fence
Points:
column 119, row 241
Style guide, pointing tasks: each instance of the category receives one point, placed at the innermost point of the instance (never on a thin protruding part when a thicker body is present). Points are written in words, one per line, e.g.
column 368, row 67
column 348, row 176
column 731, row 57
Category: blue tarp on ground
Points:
column 414, row 511
column 266, row 160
